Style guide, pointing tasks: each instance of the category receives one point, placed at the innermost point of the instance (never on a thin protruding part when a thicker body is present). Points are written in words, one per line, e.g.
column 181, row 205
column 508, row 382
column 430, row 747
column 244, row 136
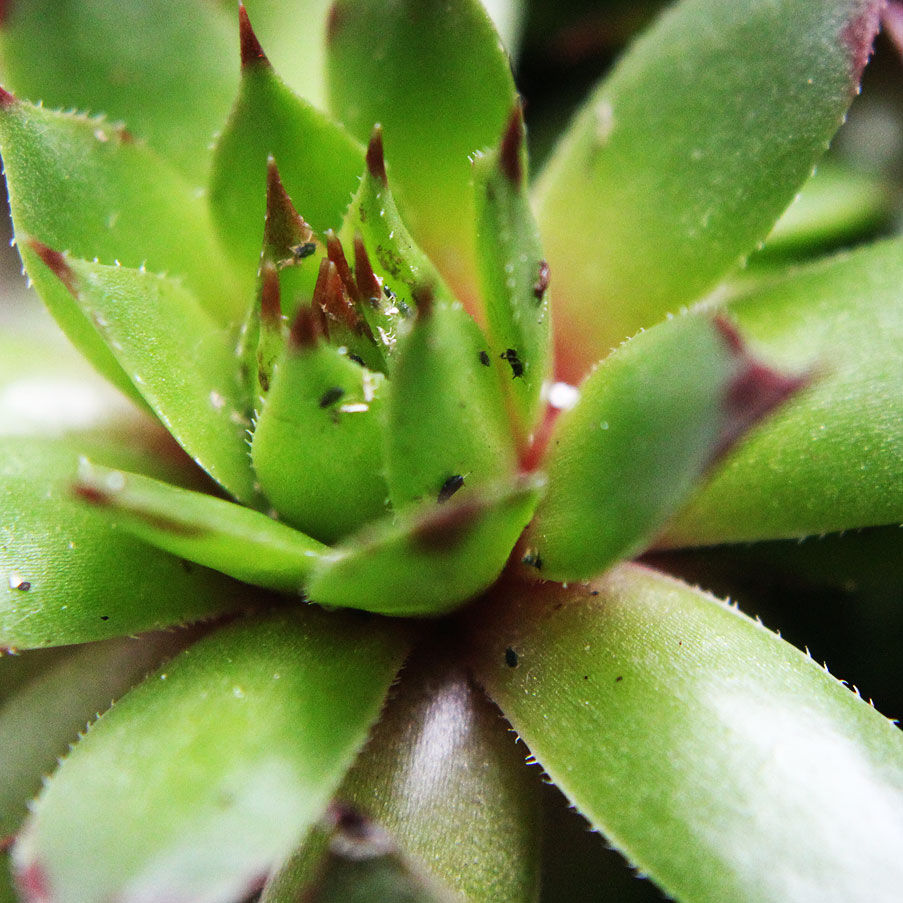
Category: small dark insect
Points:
column 388, row 292
column 24, row 586
column 299, row 252
column 517, row 368
column 510, row 658
column 533, row 560
column 619, row 677
column 331, row 396
column 484, row 359
column 104, row 617
column 356, row 358
column 450, row 487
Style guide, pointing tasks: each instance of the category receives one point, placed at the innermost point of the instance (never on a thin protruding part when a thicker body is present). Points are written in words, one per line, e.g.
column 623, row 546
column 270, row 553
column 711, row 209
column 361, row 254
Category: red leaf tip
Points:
column 56, row 262
column 510, row 152
column 6, row 99
column 754, row 391
column 251, row 52
column 376, row 161
column 32, row 882
column 858, row 35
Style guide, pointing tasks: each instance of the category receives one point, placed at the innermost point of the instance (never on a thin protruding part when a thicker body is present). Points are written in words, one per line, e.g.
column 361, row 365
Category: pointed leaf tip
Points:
column 858, row 37
column 510, row 156
column 754, row 392
column 287, row 236
column 6, row 99
column 251, row 52
column 368, row 284
column 376, row 161
column 55, row 262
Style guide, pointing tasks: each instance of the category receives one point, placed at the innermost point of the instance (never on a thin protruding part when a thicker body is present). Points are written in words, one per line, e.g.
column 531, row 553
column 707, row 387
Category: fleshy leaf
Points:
column 445, row 778
column 390, row 268
column 837, row 204
column 446, row 417
column 237, row 541
column 721, row 761
column 515, row 276
column 437, row 78
column 650, row 420
column 45, row 716
column 833, row 458
column 359, row 862
column 196, row 783
column 88, row 187
column 433, row 559
column 295, row 38
column 686, row 155
column 318, row 161
column 317, row 445
column 163, row 68
column 66, row 577
column 174, row 354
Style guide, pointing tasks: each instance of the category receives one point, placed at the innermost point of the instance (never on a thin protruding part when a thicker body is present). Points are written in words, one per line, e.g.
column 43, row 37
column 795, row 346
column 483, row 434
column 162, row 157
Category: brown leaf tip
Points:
column 6, row 99
column 284, row 228
column 376, row 161
column 511, row 150
column 56, row 262
column 306, row 329
column 369, row 286
column 858, row 36
column 251, row 52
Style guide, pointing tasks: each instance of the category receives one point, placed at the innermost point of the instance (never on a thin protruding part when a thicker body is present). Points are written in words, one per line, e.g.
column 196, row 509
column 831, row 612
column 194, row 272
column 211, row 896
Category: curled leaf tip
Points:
column 6, row 99
column 251, row 52
column 510, row 153
column 368, row 284
column 376, row 161
column 55, row 262
column 270, row 299
column 755, row 391
column 858, row 36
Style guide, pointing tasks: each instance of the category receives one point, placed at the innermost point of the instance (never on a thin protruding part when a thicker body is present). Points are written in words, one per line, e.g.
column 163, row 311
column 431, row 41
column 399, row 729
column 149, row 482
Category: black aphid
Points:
column 331, row 396
column 450, row 487
column 510, row 658
column 484, row 359
column 517, row 368
column 299, row 252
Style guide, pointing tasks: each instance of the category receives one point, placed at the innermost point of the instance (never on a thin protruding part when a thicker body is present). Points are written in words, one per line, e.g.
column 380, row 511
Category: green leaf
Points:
column 294, row 35
column 44, row 717
column 65, row 576
column 163, row 68
column 318, row 161
column 430, row 560
column 837, row 204
column 833, row 458
column 514, row 275
column 85, row 186
column 650, row 421
column 446, row 779
column 175, row 355
column 199, row 781
column 686, row 155
column 722, row 761
column 317, row 445
column 234, row 540
column 446, row 418
column 437, row 78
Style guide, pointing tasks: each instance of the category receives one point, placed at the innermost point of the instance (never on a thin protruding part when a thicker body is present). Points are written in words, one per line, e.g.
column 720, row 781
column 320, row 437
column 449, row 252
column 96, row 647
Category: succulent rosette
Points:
column 390, row 420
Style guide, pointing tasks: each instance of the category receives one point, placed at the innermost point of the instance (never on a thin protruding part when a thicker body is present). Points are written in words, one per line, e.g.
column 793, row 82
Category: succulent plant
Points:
column 392, row 421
